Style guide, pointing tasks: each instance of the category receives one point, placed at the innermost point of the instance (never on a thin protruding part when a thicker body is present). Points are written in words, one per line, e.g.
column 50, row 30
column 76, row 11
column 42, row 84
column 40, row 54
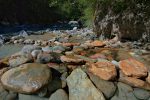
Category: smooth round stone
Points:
column 141, row 93
column 30, row 48
column 58, row 49
column 134, row 68
column 102, row 84
column 103, row 69
column 81, row 87
column 27, row 78
column 46, row 58
column 47, row 49
column 35, row 53
column 19, row 59
column 59, row 95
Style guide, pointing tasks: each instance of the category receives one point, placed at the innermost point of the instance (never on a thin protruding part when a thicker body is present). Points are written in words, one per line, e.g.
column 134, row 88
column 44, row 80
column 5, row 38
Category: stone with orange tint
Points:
column 98, row 55
column 27, row 78
column 133, row 68
column 135, row 82
column 70, row 44
column 97, row 43
column 103, row 69
column 71, row 59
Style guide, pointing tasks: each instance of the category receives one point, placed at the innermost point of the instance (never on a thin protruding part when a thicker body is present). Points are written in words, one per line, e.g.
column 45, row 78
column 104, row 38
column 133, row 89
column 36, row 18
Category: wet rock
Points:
column 81, row 88
column 44, row 58
column 30, row 97
column 47, row 49
column 58, row 49
column 59, row 67
column 19, row 59
column 106, row 87
column 30, row 48
column 35, row 53
column 103, row 69
column 132, row 81
column 59, row 95
column 135, row 82
column 71, row 59
column 124, row 92
column 27, row 78
column 47, row 58
column 133, row 68
column 141, row 93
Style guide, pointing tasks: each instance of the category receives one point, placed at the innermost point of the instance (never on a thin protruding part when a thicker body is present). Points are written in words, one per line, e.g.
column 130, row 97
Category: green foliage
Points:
column 76, row 9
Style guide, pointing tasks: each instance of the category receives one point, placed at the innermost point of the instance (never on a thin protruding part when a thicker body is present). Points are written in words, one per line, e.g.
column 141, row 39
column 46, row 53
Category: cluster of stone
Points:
column 74, row 71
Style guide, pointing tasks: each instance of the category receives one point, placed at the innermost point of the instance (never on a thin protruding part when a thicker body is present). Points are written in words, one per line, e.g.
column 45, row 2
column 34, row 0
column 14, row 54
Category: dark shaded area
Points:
column 27, row 12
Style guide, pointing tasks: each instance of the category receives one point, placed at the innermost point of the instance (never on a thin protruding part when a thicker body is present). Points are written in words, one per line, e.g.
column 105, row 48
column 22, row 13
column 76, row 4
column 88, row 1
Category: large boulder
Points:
column 129, row 19
column 27, row 78
column 141, row 93
column 46, row 58
column 124, row 92
column 102, row 84
column 133, row 68
column 30, row 48
column 19, row 58
column 81, row 88
column 103, row 69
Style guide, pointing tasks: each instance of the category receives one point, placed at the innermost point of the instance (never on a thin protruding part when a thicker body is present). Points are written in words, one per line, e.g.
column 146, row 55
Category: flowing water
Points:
column 8, row 50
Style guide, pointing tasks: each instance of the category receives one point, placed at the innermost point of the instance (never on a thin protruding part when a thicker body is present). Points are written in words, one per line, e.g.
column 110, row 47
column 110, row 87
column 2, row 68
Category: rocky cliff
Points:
column 129, row 19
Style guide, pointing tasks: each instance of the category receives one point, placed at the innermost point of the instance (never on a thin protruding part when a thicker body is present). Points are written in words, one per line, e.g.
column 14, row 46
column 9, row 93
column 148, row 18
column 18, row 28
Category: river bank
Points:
column 73, row 65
